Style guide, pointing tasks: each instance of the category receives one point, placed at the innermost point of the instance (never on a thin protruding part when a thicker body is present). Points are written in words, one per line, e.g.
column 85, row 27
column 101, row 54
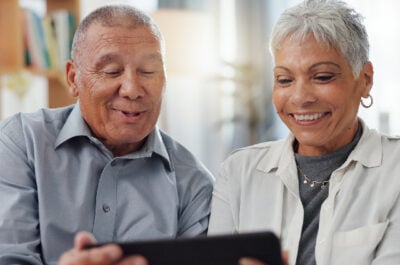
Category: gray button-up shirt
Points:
column 57, row 179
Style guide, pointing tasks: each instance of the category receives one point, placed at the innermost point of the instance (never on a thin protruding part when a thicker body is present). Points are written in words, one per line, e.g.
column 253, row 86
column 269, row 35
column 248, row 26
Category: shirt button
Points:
column 106, row 208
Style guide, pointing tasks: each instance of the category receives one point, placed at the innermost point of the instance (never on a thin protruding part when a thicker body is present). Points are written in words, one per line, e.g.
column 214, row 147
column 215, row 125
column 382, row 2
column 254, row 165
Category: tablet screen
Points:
column 211, row 250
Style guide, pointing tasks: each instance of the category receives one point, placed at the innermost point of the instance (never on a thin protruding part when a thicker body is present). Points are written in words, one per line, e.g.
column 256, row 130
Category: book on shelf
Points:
column 48, row 40
column 51, row 42
column 36, row 51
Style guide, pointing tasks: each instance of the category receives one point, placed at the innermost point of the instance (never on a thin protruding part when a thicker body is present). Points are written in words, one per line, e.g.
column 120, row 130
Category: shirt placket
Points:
column 324, row 237
column 106, row 202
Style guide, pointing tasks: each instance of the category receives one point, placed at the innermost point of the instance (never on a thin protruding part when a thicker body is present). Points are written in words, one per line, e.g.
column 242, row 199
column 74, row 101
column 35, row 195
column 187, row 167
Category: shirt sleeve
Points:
column 19, row 225
column 193, row 217
column 222, row 219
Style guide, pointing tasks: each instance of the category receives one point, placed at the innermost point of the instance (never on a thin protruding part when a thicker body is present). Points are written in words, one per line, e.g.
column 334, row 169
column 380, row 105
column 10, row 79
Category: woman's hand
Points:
column 252, row 261
column 104, row 255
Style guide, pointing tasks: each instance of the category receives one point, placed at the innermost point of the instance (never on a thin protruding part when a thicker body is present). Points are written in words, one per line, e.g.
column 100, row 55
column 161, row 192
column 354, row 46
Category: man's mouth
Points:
column 131, row 114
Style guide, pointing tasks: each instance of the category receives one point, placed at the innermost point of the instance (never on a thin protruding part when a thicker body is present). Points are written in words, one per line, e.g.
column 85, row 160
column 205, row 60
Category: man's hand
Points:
column 106, row 255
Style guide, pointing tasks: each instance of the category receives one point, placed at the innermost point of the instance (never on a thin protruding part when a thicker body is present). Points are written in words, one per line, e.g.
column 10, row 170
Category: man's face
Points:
column 119, row 79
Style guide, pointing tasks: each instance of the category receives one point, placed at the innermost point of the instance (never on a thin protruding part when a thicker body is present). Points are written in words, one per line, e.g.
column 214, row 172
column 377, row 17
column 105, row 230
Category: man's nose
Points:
column 131, row 86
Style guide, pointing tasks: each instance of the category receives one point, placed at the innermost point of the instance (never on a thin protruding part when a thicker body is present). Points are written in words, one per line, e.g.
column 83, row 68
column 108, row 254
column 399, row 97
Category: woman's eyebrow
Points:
column 278, row 67
column 325, row 63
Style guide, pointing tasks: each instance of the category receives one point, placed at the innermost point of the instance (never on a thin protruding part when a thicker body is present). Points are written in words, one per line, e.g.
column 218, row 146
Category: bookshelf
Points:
column 12, row 47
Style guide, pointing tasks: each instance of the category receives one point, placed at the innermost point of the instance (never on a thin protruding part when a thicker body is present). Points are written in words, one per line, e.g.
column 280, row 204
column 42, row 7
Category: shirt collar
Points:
column 75, row 126
column 154, row 145
column 273, row 160
column 370, row 140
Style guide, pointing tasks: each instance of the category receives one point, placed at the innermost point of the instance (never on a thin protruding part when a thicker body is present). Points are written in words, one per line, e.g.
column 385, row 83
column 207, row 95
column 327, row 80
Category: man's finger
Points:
column 83, row 239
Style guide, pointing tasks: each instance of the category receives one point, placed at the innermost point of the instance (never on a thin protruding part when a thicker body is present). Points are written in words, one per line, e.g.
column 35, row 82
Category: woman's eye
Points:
column 283, row 81
column 324, row 77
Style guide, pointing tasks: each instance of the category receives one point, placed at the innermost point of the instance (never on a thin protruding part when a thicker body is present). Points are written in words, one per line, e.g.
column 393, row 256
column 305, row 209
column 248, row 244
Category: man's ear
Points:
column 367, row 79
column 70, row 69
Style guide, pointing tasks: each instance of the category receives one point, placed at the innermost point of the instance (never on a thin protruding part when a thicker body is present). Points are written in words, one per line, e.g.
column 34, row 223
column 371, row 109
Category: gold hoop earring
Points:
column 371, row 101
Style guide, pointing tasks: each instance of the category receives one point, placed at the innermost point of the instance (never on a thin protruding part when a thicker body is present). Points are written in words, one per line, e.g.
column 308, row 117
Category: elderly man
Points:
column 100, row 165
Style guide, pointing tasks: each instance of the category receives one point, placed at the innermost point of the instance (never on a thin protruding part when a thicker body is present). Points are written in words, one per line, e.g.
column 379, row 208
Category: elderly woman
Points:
column 330, row 190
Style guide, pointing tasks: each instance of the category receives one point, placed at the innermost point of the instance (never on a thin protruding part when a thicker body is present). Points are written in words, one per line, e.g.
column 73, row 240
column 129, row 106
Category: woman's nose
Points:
column 302, row 93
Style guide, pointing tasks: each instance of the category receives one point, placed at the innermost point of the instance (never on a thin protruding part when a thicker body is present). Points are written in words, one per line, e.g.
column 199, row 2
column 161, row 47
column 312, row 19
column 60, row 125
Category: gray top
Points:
column 57, row 179
column 319, row 169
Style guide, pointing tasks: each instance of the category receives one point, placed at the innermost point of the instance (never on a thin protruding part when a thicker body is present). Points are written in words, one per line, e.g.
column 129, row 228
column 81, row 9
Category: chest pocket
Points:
column 357, row 246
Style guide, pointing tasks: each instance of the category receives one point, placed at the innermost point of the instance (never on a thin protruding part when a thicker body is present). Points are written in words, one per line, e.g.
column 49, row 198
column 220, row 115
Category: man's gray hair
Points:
column 114, row 16
column 332, row 23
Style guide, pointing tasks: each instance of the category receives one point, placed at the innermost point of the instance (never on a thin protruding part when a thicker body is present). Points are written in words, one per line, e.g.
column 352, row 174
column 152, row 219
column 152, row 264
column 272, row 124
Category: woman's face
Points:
column 317, row 96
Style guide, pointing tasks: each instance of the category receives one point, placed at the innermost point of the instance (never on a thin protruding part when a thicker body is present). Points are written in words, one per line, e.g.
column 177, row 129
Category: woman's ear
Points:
column 70, row 69
column 367, row 75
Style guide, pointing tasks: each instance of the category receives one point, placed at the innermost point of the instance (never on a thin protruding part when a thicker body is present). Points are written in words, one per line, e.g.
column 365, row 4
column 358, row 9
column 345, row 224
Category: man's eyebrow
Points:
column 153, row 56
column 104, row 59
column 107, row 58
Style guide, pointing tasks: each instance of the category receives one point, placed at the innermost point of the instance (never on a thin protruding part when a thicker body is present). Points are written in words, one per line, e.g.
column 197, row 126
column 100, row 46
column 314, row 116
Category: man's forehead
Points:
column 121, row 34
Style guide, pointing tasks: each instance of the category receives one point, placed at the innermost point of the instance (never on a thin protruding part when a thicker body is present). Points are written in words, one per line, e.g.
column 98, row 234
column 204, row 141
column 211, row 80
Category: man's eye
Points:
column 146, row 72
column 112, row 73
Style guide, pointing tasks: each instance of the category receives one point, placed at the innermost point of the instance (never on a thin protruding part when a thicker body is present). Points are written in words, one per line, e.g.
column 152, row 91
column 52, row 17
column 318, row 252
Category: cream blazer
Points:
column 257, row 189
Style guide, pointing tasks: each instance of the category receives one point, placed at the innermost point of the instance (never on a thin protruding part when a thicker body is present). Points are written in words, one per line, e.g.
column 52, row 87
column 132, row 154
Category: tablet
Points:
column 211, row 250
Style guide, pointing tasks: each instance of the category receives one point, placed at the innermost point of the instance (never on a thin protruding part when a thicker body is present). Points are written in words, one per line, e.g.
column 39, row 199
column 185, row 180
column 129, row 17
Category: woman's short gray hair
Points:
column 331, row 22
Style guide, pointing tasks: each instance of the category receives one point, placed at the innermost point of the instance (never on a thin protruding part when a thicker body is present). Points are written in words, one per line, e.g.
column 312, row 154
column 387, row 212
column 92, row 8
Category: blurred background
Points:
column 218, row 95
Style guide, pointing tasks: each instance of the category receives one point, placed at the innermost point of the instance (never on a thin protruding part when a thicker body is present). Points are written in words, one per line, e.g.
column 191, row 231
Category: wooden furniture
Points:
column 12, row 47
